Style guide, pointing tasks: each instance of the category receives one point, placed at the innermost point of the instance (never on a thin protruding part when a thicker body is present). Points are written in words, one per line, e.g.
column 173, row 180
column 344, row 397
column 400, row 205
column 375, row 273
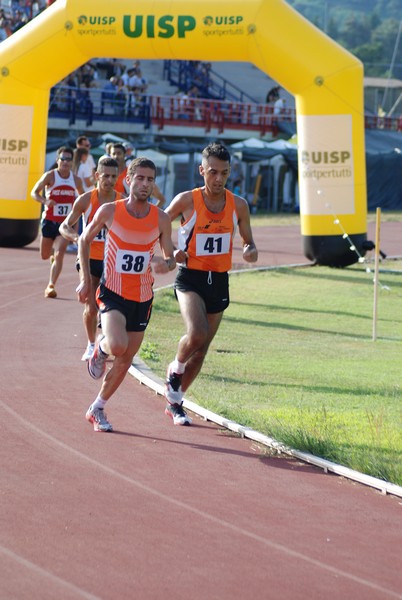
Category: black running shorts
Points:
column 50, row 229
column 95, row 267
column 137, row 314
column 213, row 287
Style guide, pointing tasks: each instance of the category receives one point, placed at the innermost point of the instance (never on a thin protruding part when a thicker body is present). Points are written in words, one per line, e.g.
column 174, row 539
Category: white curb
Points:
column 143, row 373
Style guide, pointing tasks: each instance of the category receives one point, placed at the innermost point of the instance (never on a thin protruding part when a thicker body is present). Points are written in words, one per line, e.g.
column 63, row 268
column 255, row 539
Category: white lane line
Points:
column 33, row 568
column 201, row 513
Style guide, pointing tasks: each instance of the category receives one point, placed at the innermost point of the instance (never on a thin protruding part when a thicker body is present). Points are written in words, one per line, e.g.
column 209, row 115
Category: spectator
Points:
column 129, row 152
column 121, row 97
column 83, row 141
column 4, row 26
column 272, row 95
column 111, row 66
column 108, row 95
column 82, row 169
column 279, row 105
column 108, row 148
column 19, row 21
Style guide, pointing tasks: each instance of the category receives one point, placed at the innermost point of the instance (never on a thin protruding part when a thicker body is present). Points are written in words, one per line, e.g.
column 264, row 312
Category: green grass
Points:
column 294, row 359
column 265, row 219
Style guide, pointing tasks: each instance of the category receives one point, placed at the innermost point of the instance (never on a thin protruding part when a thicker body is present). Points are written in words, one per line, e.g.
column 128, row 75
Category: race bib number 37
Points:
column 208, row 244
column 130, row 262
column 62, row 210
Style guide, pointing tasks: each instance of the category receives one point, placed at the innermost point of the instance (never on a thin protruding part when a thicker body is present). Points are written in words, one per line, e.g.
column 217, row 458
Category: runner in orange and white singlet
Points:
column 118, row 152
column 209, row 217
column 86, row 206
column 61, row 187
column 125, row 294
column 129, row 249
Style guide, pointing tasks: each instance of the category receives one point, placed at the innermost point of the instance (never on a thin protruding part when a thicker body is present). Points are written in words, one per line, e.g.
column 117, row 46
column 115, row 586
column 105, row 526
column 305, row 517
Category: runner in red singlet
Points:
column 61, row 188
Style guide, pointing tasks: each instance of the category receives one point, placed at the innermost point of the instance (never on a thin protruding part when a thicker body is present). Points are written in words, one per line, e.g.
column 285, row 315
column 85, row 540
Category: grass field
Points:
column 294, row 359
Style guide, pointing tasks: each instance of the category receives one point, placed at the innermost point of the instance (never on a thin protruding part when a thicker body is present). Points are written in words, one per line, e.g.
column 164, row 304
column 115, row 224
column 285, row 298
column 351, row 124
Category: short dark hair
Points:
column 140, row 161
column 80, row 139
column 216, row 150
column 119, row 146
column 63, row 149
column 107, row 161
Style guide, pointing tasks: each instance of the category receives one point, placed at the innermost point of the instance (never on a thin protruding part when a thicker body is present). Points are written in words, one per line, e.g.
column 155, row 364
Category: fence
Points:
column 96, row 105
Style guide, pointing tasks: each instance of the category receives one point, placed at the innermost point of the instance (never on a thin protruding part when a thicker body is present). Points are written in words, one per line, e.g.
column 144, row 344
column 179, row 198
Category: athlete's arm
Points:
column 78, row 184
column 168, row 262
column 47, row 179
column 157, row 194
column 250, row 252
column 66, row 228
column 102, row 218
column 181, row 206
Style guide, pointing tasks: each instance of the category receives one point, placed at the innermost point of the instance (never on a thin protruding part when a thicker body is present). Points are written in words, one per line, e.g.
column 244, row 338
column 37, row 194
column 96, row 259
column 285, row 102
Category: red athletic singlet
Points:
column 63, row 192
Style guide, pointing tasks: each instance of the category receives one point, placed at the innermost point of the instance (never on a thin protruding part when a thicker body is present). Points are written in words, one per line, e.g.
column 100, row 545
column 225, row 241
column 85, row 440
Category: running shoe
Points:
column 50, row 292
column 97, row 362
column 88, row 352
column 173, row 391
column 178, row 414
column 97, row 416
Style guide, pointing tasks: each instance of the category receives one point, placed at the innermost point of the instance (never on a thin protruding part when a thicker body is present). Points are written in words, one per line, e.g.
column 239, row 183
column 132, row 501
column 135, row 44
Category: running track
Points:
column 154, row 511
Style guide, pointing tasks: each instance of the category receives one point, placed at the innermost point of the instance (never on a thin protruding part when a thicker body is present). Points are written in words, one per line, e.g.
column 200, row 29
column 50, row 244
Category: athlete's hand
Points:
column 250, row 253
column 160, row 265
column 82, row 292
column 180, row 256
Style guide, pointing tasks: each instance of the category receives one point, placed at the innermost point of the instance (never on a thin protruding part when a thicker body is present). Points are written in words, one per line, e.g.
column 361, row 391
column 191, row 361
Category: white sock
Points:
column 99, row 403
column 178, row 367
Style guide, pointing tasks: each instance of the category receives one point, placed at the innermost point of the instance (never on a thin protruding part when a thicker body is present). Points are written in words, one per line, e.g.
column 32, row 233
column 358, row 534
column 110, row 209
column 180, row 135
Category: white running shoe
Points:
column 88, row 352
column 173, row 391
column 99, row 420
column 178, row 414
column 97, row 362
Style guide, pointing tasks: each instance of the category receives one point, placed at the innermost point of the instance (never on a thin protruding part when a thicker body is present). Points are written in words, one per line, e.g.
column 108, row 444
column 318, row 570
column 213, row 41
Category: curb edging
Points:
column 145, row 376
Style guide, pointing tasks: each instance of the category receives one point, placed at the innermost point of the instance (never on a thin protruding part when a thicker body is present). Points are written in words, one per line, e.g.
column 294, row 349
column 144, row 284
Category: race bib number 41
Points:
column 130, row 262
column 208, row 244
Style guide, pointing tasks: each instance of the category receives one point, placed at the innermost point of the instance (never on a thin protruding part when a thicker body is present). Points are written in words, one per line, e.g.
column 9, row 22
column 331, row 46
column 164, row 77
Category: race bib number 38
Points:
column 130, row 262
column 208, row 244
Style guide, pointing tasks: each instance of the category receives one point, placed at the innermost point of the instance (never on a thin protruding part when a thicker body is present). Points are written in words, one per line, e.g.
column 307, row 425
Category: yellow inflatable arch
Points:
column 326, row 80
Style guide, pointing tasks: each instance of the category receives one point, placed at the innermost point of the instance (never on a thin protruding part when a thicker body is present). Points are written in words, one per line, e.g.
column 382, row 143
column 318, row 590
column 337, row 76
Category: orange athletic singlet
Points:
column 129, row 248
column 98, row 245
column 121, row 184
column 63, row 192
column 208, row 237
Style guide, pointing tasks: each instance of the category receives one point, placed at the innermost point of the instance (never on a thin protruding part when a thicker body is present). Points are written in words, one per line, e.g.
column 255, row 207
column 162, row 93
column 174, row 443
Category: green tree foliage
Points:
column 367, row 28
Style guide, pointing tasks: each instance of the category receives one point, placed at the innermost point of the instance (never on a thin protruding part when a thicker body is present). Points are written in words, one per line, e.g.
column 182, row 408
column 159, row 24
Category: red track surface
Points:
column 154, row 511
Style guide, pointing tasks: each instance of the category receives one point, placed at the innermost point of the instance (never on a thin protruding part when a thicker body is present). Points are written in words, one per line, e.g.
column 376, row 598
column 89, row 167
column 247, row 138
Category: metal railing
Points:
column 96, row 106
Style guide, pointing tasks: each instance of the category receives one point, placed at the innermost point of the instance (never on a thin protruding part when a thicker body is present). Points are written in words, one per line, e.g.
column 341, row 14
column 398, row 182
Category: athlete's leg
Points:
column 46, row 247
column 122, row 344
column 90, row 314
column 200, row 331
column 60, row 246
